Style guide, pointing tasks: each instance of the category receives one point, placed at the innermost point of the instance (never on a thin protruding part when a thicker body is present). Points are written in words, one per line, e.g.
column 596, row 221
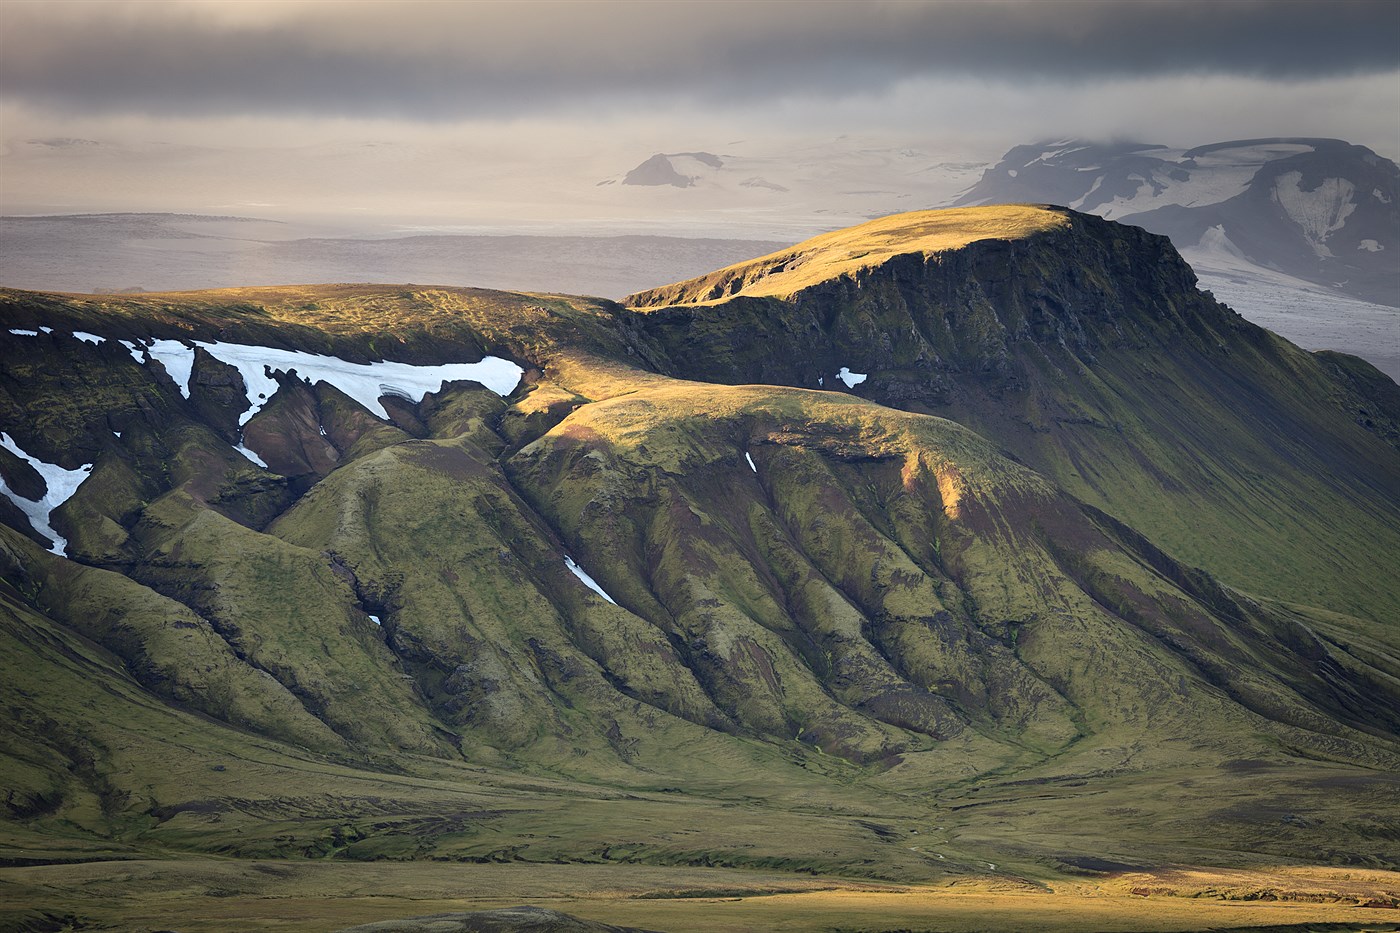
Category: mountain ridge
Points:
column 833, row 606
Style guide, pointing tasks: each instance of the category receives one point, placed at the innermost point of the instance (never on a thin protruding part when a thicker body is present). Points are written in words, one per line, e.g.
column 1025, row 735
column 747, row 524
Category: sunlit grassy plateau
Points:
column 1078, row 613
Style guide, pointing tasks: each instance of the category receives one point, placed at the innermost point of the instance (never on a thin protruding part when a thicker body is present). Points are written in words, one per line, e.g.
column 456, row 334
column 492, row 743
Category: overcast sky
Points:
column 128, row 103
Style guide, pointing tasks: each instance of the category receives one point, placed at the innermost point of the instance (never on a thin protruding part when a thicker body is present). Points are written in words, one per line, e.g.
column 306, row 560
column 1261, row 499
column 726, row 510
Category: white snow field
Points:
column 60, row 483
column 364, row 382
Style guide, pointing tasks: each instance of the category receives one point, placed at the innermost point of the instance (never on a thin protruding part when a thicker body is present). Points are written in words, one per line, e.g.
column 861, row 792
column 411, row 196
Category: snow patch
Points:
column 177, row 359
column 250, row 455
column 1319, row 212
column 851, row 379
column 134, row 350
column 364, row 382
column 1370, row 246
column 60, row 485
column 374, row 618
column 85, row 337
column 1079, row 203
column 117, row 434
column 1256, row 154
column 18, row 332
column 1211, row 177
column 588, row 581
column 1011, row 172
column 750, row 460
column 1215, row 241
column 1056, row 149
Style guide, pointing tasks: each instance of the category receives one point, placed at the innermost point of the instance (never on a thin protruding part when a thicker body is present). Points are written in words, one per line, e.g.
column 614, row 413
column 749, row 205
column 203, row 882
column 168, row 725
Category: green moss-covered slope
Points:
column 1081, row 533
column 1086, row 350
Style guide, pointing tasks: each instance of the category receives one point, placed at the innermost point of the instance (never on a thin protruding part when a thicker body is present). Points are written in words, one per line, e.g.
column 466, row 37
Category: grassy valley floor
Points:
column 209, row 894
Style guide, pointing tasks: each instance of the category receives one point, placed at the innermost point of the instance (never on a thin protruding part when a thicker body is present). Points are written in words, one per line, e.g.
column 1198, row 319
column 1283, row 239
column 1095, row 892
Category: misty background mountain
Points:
column 1319, row 210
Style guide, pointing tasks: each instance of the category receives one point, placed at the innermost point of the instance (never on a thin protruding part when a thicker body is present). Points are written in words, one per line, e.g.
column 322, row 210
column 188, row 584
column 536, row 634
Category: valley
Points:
column 311, row 896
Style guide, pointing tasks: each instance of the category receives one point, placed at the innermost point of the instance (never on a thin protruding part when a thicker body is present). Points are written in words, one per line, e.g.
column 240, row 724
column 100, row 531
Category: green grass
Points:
column 193, row 894
column 847, row 252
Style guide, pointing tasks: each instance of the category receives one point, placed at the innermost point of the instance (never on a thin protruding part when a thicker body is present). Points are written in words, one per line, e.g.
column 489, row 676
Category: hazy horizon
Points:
column 510, row 117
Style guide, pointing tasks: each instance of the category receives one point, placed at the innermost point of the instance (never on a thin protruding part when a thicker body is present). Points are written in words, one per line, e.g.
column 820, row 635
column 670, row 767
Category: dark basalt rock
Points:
column 217, row 393
column 21, row 477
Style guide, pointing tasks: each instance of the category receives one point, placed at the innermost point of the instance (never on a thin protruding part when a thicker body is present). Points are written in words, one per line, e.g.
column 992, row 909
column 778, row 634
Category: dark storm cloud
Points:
column 439, row 60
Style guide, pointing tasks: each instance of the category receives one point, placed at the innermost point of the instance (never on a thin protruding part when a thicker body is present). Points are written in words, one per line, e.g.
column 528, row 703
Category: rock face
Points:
column 680, row 558
column 217, row 393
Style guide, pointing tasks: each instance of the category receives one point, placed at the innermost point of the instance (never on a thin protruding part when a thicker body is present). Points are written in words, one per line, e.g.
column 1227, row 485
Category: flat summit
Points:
column 843, row 252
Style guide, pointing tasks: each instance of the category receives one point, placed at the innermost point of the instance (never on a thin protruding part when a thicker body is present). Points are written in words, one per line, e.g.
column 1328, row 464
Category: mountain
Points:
column 1321, row 210
column 661, row 169
column 959, row 542
column 1086, row 350
column 787, row 188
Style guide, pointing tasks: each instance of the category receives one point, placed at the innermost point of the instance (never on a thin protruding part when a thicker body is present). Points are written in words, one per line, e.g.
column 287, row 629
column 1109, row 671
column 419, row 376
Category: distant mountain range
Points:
column 804, row 186
column 180, row 252
column 1320, row 210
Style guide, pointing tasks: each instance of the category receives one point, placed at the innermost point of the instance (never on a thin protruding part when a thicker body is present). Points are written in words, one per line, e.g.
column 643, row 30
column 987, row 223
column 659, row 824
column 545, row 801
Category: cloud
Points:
column 447, row 61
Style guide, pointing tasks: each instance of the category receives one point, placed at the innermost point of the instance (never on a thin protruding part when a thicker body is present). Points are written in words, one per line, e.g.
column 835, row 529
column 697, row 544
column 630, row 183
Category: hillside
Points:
column 1084, row 348
column 1084, row 570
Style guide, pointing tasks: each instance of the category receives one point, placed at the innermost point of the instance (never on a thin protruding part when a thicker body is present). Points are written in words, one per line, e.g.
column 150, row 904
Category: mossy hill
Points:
column 1082, row 347
column 1087, row 567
